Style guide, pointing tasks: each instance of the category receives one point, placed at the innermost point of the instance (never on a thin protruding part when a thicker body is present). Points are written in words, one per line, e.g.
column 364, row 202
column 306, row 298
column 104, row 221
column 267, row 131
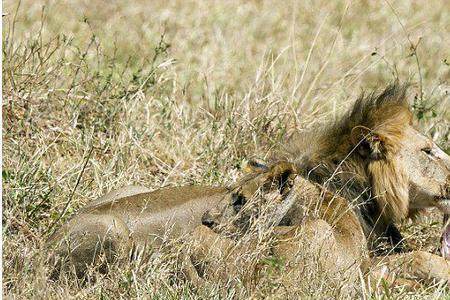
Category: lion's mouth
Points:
column 445, row 239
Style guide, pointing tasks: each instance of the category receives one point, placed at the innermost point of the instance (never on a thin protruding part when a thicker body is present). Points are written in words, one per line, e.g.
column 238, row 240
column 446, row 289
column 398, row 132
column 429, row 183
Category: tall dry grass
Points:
column 98, row 95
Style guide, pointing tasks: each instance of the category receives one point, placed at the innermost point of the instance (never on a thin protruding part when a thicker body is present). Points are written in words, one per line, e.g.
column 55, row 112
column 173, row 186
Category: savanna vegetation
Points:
column 102, row 94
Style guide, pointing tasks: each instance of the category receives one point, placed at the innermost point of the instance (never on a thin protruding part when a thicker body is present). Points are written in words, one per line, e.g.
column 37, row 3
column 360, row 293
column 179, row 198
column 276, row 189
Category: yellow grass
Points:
column 101, row 94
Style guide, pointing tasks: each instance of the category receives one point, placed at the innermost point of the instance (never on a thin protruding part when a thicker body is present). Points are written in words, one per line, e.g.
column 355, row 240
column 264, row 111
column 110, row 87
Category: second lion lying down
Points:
column 357, row 178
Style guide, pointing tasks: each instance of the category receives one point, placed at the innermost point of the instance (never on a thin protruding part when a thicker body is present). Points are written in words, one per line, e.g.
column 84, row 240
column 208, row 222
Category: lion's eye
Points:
column 428, row 150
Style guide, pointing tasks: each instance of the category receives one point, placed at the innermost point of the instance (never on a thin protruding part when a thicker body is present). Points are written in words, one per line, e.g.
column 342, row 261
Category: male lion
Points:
column 375, row 158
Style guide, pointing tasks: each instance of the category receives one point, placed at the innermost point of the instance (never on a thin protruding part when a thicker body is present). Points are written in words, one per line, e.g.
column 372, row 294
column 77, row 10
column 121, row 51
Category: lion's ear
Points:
column 368, row 143
column 255, row 165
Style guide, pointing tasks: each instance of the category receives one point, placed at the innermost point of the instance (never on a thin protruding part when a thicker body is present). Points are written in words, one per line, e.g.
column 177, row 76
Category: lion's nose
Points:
column 208, row 220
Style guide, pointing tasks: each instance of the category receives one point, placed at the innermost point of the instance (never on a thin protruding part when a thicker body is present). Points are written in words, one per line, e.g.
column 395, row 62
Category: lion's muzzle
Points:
column 209, row 220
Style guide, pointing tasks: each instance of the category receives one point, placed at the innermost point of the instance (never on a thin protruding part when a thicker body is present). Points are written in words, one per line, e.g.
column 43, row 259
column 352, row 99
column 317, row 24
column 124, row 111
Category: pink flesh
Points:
column 445, row 244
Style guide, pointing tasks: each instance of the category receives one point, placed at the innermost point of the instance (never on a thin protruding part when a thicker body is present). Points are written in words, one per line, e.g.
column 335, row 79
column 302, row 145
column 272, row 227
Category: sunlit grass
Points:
column 98, row 95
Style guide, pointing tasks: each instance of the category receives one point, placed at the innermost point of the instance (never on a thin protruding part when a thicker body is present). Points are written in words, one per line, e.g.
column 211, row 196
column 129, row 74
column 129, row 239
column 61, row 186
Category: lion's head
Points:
column 375, row 154
column 275, row 179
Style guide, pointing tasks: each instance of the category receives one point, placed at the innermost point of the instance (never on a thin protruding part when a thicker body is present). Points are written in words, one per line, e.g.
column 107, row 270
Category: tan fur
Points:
column 128, row 221
column 341, row 179
column 388, row 178
column 390, row 185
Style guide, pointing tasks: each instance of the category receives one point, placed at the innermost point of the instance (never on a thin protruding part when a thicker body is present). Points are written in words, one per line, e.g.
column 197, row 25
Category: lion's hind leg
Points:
column 89, row 239
column 314, row 246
